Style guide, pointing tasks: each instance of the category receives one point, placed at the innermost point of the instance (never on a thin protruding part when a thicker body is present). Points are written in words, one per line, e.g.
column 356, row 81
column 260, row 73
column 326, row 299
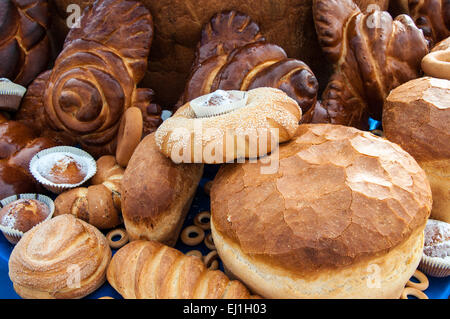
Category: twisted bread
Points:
column 24, row 45
column 432, row 17
column 371, row 53
column 63, row 257
column 95, row 77
column 151, row 270
column 100, row 203
column 233, row 55
column 18, row 144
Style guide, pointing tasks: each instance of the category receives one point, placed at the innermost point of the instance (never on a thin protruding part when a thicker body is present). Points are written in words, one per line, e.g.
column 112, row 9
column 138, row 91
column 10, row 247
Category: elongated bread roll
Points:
column 151, row 270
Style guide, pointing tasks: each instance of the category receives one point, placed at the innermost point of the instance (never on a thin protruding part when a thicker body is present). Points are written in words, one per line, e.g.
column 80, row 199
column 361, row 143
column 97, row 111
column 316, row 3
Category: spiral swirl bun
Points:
column 63, row 257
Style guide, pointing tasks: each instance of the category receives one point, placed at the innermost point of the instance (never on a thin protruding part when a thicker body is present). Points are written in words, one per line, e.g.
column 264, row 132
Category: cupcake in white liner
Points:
column 10, row 95
column 62, row 167
column 218, row 102
column 20, row 213
column 436, row 251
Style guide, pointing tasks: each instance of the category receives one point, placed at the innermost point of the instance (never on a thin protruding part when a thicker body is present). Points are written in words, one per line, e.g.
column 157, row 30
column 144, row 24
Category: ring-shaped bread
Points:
column 268, row 118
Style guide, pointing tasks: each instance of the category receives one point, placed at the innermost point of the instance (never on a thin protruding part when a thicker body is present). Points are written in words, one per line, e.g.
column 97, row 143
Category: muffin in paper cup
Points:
column 10, row 95
column 42, row 164
column 218, row 102
column 14, row 235
column 436, row 252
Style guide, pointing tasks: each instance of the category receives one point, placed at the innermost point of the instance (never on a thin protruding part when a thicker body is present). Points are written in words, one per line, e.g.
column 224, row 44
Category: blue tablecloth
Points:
column 439, row 287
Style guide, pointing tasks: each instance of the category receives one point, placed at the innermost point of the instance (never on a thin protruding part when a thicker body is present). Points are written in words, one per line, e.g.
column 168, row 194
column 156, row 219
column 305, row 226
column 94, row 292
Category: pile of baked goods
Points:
column 306, row 202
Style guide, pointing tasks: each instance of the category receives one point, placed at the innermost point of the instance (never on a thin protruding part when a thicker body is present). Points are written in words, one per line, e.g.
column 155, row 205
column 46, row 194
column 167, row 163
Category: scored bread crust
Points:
column 340, row 196
column 266, row 108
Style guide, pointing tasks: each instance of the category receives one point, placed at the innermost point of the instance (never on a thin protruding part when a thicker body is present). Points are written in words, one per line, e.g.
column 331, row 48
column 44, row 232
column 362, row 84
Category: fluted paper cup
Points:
column 202, row 108
column 10, row 95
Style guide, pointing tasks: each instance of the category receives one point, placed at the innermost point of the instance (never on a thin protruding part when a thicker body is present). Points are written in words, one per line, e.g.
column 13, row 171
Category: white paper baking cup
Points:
column 434, row 266
column 10, row 95
column 201, row 106
column 44, row 157
column 14, row 235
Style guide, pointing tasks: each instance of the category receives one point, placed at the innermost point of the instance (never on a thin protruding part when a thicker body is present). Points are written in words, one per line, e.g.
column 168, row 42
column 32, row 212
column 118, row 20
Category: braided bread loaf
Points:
column 371, row 53
column 94, row 79
column 100, row 203
column 24, row 45
column 151, row 270
column 18, row 144
column 233, row 55
column 432, row 17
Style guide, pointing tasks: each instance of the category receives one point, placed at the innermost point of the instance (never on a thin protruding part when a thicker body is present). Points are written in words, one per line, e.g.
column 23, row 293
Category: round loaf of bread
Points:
column 342, row 216
column 416, row 116
column 63, row 257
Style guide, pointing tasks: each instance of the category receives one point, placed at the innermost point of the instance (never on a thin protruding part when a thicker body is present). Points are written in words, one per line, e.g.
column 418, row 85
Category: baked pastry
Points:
column 22, row 215
column 437, row 62
column 100, row 203
column 24, row 45
column 151, row 270
column 178, row 25
column 18, row 144
column 94, row 79
column 342, row 217
column 432, row 17
column 61, row 258
column 65, row 170
column 233, row 55
column 371, row 54
column 129, row 136
column 157, row 193
column 436, row 250
column 267, row 117
column 416, row 117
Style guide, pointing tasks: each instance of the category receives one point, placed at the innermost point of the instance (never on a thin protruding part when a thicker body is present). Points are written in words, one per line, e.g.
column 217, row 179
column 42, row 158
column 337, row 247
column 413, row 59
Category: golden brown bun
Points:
column 24, row 45
column 151, row 270
column 178, row 24
column 129, row 136
column 417, row 117
column 94, row 78
column 372, row 53
column 49, row 259
column 204, row 140
column 100, row 203
column 157, row 193
column 341, row 200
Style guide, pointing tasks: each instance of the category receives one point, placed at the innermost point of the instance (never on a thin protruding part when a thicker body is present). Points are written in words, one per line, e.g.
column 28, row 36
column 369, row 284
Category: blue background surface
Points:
column 439, row 287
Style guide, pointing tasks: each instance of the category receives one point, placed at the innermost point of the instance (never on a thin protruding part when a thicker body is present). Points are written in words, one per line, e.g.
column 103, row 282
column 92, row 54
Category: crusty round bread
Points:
column 223, row 138
column 344, row 213
column 63, row 257
column 416, row 116
column 157, row 194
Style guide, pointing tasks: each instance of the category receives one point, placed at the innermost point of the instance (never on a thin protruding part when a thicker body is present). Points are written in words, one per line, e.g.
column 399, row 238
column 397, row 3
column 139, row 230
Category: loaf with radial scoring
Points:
column 344, row 210
column 157, row 193
column 371, row 53
column 24, row 44
column 94, row 78
column 151, row 270
column 61, row 258
column 417, row 117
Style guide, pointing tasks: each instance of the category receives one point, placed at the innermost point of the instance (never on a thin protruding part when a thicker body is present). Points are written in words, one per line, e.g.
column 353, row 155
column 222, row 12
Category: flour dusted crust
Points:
column 340, row 199
column 266, row 108
column 42, row 262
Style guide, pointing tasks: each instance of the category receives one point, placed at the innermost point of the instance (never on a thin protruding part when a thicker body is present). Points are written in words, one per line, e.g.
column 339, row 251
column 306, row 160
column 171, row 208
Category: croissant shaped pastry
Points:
column 24, row 45
column 432, row 17
column 233, row 55
column 372, row 54
column 151, row 270
column 95, row 77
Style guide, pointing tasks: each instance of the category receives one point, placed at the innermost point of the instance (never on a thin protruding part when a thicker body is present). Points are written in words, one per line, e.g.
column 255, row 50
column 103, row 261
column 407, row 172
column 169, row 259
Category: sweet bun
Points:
column 342, row 217
column 63, row 257
column 416, row 116
column 157, row 193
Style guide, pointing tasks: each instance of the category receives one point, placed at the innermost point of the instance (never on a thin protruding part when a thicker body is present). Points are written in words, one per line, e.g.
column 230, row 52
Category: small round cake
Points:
column 65, row 170
column 22, row 215
column 436, row 250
